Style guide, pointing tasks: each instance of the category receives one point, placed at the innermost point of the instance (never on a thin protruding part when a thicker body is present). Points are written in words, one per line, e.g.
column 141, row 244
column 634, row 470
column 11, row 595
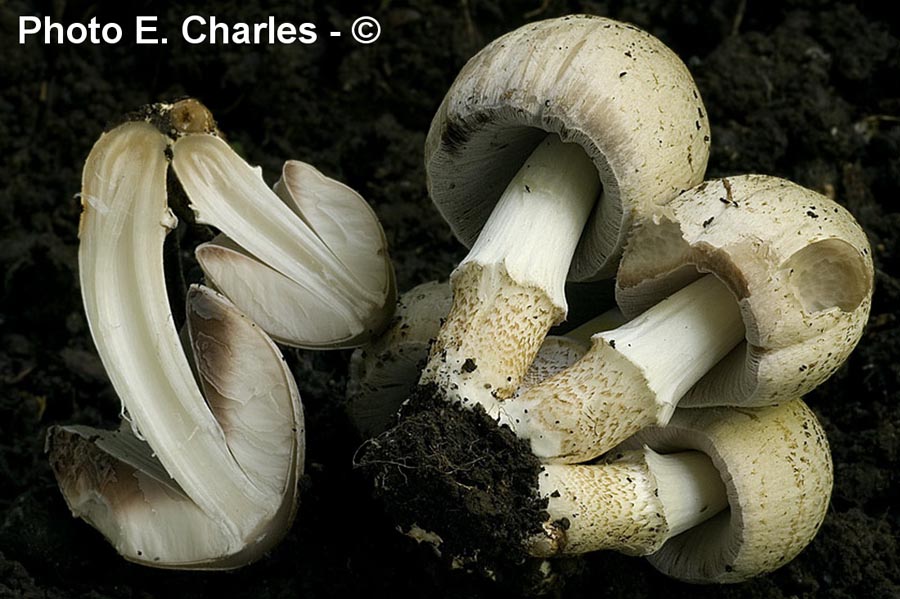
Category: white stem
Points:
column 632, row 505
column 510, row 289
column 123, row 227
column 680, row 339
column 631, row 378
column 690, row 488
column 537, row 222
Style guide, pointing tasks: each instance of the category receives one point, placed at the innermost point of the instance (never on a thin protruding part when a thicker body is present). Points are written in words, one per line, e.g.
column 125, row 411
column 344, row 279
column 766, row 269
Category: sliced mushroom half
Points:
column 311, row 266
column 204, row 479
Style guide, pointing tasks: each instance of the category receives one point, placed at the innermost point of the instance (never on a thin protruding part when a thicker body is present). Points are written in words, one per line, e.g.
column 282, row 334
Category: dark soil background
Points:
column 803, row 89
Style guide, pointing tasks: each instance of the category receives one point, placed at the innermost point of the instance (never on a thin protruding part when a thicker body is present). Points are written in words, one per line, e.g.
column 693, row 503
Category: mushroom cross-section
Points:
column 307, row 261
column 546, row 146
column 202, row 479
column 771, row 286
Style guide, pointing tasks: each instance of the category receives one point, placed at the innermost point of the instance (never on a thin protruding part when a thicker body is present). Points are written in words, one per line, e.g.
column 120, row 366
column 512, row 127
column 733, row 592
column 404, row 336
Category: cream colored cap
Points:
column 776, row 466
column 797, row 262
column 614, row 89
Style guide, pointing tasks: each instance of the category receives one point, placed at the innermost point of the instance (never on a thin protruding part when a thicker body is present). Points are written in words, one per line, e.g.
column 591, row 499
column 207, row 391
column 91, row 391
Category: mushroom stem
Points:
column 632, row 376
column 632, row 505
column 510, row 289
column 696, row 326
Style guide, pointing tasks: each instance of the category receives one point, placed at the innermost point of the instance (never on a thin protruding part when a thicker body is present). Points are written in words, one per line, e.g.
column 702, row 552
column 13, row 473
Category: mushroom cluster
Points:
column 203, row 471
column 576, row 148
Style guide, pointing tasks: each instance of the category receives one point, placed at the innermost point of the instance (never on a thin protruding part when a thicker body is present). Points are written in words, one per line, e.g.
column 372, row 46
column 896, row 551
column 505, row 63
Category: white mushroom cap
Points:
column 798, row 263
column 776, row 466
column 617, row 91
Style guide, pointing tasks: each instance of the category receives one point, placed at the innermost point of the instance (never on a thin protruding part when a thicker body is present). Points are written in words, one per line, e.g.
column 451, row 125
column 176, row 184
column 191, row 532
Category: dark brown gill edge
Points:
column 454, row 472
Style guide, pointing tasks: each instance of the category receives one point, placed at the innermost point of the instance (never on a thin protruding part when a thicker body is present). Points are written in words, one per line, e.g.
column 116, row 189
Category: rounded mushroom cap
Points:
column 776, row 466
column 797, row 262
column 614, row 89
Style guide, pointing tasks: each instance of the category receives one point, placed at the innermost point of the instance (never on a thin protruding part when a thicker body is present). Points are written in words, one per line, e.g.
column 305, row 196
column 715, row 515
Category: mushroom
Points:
column 785, row 302
column 719, row 339
column 202, row 479
column 208, row 479
column 718, row 495
column 549, row 142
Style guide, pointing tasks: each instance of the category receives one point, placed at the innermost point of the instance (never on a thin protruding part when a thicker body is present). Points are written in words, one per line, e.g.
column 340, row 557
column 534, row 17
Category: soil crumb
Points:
column 453, row 472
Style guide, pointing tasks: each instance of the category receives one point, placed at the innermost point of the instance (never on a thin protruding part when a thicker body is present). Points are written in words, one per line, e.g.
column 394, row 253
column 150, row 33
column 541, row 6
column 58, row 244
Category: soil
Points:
column 804, row 89
column 452, row 471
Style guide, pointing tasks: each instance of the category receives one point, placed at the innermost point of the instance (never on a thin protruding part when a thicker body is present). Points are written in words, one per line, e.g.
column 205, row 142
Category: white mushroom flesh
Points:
column 316, row 255
column 203, row 482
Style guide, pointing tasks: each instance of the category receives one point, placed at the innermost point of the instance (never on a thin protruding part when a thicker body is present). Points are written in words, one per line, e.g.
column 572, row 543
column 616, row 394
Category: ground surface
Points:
column 803, row 89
